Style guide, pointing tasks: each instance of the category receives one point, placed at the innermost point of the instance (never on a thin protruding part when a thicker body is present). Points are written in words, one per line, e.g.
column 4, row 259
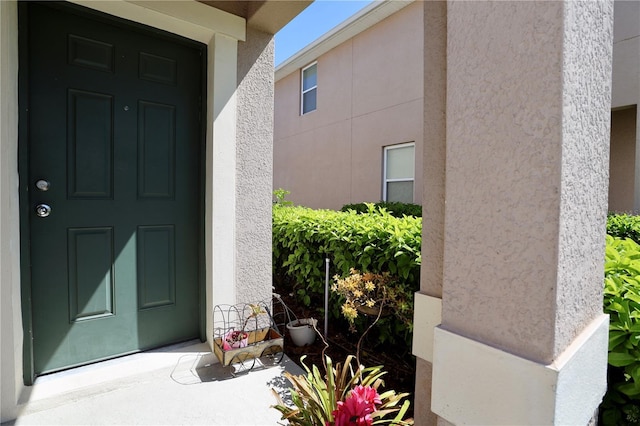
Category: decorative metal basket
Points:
column 246, row 332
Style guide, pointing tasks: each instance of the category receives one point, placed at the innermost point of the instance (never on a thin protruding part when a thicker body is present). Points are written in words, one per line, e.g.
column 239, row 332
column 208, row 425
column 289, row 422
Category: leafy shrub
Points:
column 375, row 242
column 622, row 302
column 394, row 208
column 280, row 195
column 624, row 226
column 343, row 395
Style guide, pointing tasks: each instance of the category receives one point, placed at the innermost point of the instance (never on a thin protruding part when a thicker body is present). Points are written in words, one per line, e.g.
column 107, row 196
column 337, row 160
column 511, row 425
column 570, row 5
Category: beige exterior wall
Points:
column 369, row 96
column 625, row 88
column 622, row 184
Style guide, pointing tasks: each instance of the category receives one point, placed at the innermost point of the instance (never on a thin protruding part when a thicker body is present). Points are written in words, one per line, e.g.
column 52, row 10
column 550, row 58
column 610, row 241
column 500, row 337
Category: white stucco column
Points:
column 10, row 301
column 254, row 160
column 220, row 199
column 523, row 339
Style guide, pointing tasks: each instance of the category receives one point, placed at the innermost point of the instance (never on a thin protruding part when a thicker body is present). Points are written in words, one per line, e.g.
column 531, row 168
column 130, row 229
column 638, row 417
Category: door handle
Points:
column 43, row 210
column 43, row 185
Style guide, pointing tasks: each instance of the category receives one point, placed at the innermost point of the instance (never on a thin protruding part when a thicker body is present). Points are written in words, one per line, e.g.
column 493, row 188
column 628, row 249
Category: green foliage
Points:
column 622, row 303
column 394, row 208
column 315, row 396
column 376, row 242
column 280, row 195
column 624, row 226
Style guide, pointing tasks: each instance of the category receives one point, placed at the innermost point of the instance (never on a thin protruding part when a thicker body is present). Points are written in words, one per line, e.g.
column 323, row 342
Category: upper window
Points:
column 399, row 170
column 309, row 88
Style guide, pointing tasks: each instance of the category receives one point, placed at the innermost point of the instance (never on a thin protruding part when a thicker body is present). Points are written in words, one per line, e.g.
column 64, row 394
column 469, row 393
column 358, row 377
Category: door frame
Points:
column 23, row 165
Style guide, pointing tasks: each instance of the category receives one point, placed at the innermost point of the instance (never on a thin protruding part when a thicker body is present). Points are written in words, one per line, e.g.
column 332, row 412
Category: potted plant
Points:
column 303, row 331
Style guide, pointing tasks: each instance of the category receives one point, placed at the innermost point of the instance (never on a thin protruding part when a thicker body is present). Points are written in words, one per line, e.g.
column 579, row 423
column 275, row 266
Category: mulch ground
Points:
column 400, row 370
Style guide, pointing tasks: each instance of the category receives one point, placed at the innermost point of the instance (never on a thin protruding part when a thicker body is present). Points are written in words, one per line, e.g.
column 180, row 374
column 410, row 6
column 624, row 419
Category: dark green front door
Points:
column 114, row 139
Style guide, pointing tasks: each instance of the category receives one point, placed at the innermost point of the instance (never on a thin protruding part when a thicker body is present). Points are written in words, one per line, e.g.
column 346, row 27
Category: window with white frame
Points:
column 398, row 173
column 309, row 88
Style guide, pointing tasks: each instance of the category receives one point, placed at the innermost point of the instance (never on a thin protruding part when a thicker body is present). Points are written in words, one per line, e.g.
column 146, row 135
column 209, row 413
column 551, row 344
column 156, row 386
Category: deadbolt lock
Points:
column 43, row 210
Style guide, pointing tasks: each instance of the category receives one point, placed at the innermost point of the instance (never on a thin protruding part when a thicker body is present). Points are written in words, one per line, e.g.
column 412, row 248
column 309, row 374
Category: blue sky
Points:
column 314, row 21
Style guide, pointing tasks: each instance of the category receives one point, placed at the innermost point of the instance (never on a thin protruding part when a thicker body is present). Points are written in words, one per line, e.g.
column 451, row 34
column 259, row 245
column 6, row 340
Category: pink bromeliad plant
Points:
column 358, row 407
column 344, row 396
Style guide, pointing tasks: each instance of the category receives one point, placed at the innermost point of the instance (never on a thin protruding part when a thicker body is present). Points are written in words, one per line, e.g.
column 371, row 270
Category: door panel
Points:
column 90, row 145
column 156, row 150
column 90, row 262
column 156, row 266
column 114, row 127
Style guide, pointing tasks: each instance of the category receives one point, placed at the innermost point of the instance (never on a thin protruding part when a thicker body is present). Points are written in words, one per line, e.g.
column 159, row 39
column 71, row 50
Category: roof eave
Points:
column 361, row 21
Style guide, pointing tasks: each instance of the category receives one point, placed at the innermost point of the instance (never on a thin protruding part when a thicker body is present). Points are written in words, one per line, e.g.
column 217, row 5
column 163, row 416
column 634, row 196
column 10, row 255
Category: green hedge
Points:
column 375, row 242
column 394, row 208
column 624, row 226
column 621, row 405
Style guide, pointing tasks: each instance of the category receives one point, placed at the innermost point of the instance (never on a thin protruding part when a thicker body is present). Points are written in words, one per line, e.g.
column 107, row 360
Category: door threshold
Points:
column 96, row 376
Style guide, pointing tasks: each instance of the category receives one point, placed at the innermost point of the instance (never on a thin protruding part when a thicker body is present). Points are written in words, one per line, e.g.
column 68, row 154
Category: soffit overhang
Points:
column 264, row 15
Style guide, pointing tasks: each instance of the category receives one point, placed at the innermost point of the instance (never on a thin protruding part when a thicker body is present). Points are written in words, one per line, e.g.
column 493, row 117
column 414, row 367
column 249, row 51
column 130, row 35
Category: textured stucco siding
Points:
column 503, row 179
column 526, row 172
column 585, row 166
column 433, row 194
column 254, row 166
column 435, row 146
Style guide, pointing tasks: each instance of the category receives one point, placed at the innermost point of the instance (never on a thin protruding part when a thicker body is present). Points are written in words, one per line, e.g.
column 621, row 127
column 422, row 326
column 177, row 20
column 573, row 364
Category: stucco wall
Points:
column 624, row 188
column 254, row 166
column 504, row 147
column 523, row 339
column 623, row 160
column 626, row 54
column 433, row 193
column 585, row 167
column 369, row 96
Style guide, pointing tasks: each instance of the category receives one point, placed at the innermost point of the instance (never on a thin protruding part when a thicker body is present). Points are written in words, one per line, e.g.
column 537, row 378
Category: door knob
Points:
column 43, row 185
column 43, row 210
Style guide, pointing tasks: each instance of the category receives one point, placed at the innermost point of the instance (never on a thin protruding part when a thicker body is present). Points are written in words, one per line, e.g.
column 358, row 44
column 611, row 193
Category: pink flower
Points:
column 357, row 407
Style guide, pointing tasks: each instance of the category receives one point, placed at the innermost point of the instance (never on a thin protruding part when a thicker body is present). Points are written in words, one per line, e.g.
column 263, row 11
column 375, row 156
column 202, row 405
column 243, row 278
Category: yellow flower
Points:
column 370, row 303
column 349, row 312
column 370, row 286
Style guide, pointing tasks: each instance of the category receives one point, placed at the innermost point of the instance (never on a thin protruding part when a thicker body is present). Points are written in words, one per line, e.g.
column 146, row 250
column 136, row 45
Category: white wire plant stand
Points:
column 247, row 335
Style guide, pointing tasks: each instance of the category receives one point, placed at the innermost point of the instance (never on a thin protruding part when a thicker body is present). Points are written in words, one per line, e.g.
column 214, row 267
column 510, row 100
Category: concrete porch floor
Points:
column 177, row 385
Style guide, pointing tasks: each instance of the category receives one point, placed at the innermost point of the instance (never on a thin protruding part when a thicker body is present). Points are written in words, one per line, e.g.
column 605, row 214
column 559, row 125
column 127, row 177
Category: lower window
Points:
column 399, row 173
